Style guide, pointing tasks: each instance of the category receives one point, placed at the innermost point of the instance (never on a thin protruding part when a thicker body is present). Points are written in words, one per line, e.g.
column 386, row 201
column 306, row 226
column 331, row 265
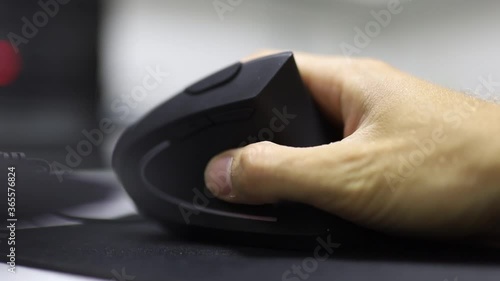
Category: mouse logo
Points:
column 10, row 63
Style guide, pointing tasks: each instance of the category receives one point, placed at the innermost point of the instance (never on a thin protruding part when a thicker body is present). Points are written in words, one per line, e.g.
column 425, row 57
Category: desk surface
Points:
column 136, row 249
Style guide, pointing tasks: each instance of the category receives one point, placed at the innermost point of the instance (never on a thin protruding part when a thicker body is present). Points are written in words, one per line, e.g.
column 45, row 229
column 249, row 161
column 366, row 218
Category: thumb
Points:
column 265, row 172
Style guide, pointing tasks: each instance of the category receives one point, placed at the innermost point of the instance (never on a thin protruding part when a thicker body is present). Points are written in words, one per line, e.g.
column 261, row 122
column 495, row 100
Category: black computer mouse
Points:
column 161, row 159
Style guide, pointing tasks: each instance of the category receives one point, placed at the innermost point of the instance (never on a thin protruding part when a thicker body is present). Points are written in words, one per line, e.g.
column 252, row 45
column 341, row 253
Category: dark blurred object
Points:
column 35, row 191
column 54, row 98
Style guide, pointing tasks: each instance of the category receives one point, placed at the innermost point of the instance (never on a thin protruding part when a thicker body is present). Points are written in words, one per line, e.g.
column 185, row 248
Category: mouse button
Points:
column 232, row 115
column 189, row 126
column 214, row 80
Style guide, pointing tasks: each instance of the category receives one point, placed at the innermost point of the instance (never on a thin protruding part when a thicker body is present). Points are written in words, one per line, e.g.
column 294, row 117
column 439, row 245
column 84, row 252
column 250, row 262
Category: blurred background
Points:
column 82, row 70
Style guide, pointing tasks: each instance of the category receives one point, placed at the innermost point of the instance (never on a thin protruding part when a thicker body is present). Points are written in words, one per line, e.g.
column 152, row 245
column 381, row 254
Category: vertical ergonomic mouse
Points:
column 161, row 159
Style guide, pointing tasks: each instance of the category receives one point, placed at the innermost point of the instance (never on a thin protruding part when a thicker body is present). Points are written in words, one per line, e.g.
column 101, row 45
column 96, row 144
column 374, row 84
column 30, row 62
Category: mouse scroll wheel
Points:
column 218, row 79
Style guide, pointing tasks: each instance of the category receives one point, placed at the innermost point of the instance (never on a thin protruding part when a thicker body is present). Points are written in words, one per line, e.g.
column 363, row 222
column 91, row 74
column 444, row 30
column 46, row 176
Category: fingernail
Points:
column 218, row 176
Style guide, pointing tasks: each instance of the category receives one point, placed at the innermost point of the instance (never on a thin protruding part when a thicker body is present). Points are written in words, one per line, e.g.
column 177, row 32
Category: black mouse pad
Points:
column 136, row 249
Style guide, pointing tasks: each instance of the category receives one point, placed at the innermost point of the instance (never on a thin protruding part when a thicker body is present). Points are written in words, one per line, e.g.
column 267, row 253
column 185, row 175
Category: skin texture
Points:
column 416, row 158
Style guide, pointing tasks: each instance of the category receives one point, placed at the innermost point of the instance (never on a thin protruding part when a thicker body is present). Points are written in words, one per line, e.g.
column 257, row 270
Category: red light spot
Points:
column 10, row 63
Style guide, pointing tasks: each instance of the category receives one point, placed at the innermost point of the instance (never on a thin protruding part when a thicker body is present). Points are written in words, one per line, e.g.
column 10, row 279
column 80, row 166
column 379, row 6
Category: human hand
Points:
column 416, row 158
